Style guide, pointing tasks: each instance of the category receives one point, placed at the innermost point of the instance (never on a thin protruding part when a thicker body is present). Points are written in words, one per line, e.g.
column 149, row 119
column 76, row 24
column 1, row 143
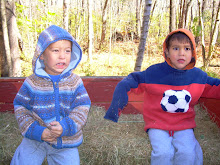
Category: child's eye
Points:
column 187, row 49
column 55, row 50
column 175, row 48
column 68, row 51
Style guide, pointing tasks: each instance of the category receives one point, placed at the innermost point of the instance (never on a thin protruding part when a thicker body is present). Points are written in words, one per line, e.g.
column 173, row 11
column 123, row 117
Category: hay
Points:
column 208, row 136
column 10, row 137
column 125, row 142
column 106, row 142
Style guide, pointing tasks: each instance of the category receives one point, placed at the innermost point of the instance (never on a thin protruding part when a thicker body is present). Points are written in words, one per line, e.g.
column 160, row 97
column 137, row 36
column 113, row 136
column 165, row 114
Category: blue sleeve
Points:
column 77, row 118
column 29, row 127
column 35, row 131
column 120, row 96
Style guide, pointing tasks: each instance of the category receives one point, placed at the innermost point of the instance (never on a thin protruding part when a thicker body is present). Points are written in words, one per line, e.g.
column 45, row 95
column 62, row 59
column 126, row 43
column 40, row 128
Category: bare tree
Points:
column 214, row 36
column 204, row 4
column 104, row 17
column 65, row 14
column 144, row 33
column 201, row 24
column 187, row 11
column 185, row 7
column 79, row 20
column 6, row 38
column 213, row 15
column 13, row 34
column 214, row 33
column 153, row 8
column 172, row 15
column 181, row 11
column 90, row 29
column 138, row 22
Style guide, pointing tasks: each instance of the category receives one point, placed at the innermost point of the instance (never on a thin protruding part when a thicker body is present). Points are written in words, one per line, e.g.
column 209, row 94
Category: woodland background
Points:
column 117, row 36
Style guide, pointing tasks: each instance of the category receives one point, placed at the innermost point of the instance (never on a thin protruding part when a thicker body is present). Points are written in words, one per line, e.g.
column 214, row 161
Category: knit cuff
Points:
column 35, row 132
column 112, row 114
column 69, row 127
column 108, row 117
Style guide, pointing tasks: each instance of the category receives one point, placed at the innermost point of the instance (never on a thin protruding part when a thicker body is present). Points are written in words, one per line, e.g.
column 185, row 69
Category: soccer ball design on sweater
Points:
column 176, row 101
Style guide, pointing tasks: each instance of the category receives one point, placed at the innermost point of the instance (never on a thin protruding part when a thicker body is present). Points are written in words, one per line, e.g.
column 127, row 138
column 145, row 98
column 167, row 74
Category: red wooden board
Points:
column 8, row 90
column 213, row 107
column 100, row 90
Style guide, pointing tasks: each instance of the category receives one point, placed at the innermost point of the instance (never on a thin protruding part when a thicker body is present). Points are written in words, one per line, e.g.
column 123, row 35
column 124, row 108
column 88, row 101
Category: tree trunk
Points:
column 13, row 34
column 191, row 18
column 138, row 22
column 65, row 14
column 213, row 38
column 187, row 11
column 204, row 4
column 104, row 15
column 172, row 15
column 2, row 51
column 180, row 14
column 6, row 38
column 161, row 15
column 91, row 33
column 153, row 8
column 202, row 32
column 213, row 15
column 144, row 33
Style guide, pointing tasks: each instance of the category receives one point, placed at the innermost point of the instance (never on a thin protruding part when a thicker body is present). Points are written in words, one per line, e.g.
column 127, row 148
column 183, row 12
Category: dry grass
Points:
column 208, row 135
column 10, row 137
column 106, row 142
column 110, row 143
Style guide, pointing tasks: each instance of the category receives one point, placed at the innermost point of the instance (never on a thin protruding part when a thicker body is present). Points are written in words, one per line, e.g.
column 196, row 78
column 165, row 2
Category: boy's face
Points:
column 180, row 53
column 57, row 57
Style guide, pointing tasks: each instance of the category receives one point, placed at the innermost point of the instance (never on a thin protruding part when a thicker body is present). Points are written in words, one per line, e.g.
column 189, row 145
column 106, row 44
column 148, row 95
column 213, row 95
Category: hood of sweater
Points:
column 48, row 36
column 191, row 37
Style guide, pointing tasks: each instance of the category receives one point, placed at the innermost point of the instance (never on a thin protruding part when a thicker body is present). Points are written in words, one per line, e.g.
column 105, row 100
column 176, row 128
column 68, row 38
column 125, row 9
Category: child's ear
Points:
column 41, row 57
column 166, row 52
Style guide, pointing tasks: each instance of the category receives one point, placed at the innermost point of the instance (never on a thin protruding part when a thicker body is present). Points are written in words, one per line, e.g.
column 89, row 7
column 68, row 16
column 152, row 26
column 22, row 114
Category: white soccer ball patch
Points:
column 176, row 101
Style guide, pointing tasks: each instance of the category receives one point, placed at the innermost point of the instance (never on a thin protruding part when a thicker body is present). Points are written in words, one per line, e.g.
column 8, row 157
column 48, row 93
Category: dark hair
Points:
column 179, row 36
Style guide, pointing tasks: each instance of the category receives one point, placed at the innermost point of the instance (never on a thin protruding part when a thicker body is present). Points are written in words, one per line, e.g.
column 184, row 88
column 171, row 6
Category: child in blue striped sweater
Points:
column 52, row 105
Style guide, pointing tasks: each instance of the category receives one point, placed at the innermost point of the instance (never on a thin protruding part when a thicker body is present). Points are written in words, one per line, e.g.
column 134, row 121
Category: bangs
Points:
column 181, row 37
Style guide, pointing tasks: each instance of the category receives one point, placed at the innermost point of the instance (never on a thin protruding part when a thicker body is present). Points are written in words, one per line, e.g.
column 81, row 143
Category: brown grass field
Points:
column 122, row 143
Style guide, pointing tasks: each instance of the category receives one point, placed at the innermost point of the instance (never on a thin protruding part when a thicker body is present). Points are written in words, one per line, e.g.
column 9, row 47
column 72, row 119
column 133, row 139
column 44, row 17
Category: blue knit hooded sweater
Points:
column 40, row 100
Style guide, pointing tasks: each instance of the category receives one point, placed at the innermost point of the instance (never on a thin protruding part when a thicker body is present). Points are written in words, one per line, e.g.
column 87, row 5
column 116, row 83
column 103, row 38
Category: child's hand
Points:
column 48, row 136
column 56, row 129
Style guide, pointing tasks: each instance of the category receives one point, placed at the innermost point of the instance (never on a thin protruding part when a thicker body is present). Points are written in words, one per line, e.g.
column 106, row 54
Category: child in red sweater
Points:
column 171, row 90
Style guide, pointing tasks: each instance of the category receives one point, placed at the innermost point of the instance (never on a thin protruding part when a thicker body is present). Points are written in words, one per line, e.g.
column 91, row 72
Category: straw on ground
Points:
column 110, row 143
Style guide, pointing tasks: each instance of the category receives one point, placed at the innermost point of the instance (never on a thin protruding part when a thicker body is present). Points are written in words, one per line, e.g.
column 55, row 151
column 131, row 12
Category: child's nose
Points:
column 62, row 54
column 182, row 52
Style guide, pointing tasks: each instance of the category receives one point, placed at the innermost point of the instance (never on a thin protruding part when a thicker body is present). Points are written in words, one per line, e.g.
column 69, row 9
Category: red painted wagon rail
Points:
column 100, row 90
